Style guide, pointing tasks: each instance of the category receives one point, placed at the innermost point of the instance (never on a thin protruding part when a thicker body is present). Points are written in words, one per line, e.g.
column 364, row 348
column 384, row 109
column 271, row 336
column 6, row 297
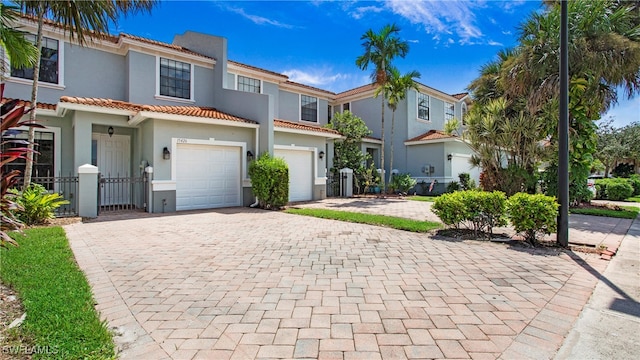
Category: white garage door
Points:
column 300, row 173
column 207, row 177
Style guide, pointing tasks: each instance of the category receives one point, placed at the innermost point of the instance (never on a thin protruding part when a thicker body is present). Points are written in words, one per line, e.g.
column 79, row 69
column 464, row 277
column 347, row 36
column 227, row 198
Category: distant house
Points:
column 421, row 147
column 127, row 104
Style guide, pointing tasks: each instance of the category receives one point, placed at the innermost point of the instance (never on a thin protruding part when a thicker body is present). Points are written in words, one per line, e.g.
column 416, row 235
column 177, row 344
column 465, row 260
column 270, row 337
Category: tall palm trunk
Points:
column 382, row 178
column 393, row 120
column 28, row 169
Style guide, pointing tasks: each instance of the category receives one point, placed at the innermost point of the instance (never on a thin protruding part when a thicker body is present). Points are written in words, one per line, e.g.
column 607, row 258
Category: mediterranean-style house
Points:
column 191, row 120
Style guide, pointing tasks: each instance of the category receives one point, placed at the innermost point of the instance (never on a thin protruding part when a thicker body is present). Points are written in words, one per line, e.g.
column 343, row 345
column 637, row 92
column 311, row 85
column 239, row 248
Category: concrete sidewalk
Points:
column 609, row 325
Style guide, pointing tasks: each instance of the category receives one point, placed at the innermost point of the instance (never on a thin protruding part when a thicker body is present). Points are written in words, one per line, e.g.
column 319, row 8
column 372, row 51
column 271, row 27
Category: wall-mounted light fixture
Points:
column 110, row 131
column 166, row 154
column 249, row 155
column 449, row 157
column 321, row 155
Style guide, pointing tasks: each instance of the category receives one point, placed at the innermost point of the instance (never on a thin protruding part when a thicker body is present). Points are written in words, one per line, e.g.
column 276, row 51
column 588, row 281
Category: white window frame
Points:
column 317, row 108
column 191, row 99
column 236, row 77
column 463, row 112
column 447, row 106
column 418, row 107
column 59, row 86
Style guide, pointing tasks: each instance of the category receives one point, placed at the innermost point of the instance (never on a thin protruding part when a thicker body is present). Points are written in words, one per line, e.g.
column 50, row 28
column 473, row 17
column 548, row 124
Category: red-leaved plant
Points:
column 12, row 112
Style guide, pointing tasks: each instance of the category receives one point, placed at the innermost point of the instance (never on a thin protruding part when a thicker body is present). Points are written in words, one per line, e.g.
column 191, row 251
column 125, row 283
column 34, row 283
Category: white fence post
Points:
column 88, row 191
column 346, row 182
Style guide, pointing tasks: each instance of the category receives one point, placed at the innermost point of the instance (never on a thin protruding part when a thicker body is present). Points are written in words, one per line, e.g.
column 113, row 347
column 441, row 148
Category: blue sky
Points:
column 316, row 42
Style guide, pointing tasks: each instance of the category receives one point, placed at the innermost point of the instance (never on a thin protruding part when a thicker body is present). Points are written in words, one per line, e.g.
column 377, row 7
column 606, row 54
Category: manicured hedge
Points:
column 533, row 214
column 616, row 189
column 270, row 181
column 481, row 211
column 478, row 210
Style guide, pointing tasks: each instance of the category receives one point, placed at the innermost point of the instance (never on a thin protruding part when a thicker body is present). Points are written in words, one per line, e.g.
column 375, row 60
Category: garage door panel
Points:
column 300, row 164
column 208, row 176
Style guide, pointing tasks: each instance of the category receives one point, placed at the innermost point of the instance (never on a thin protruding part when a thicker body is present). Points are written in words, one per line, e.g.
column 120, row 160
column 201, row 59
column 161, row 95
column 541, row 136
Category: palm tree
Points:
column 395, row 90
column 379, row 50
column 20, row 51
column 83, row 20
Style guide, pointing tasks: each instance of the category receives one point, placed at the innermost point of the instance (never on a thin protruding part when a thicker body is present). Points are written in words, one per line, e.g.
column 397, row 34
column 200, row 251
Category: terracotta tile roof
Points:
column 27, row 104
column 108, row 103
column 432, row 135
column 197, row 111
column 298, row 126
column 372, row 138
column 257, row 69
column 460, row 96
column 166, row 45
column 310, row 87
column 358, row 90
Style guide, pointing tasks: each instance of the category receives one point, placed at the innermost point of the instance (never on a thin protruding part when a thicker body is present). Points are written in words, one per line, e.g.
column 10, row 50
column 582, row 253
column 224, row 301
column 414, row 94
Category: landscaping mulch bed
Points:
column 10, row 310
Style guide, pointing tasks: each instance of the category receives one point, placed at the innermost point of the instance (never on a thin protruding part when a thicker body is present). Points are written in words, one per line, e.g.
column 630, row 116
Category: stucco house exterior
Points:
column 192, row 120
column 421, row 147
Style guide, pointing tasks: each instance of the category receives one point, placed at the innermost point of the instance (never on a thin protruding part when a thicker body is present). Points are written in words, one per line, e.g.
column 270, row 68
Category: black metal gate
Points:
column 66, row 186
column 116, row 193
column 334, row 185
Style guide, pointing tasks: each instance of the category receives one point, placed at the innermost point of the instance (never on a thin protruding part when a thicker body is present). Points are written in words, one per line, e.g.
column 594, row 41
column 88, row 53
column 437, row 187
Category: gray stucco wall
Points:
column 212, row 46
column 419, row 155
column 164, row 131
column 288, row 106
column 94, row 73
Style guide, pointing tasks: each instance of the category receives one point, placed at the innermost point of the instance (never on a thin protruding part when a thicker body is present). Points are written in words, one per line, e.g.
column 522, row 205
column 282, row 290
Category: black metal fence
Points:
column 66, row 186
column 335, row 182
column 122, row 193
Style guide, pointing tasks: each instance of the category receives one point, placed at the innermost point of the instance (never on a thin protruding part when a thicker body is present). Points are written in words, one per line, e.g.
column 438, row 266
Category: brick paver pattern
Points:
column 244, row 284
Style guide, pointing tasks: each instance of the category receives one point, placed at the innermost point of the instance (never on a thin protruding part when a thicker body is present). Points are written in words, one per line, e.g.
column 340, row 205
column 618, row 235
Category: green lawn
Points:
column 627, row 212
column 61, row 318
column 380, row 220
column 422, row 198
column 634, row 199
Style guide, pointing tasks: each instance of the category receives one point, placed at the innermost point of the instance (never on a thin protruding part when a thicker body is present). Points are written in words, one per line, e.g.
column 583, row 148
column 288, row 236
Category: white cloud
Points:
column 359, row 12
column 508, row 32
column 625, row 112
column 494, row 43
column 326, row 78
column 441, row 17
column 260, row 20
column 413, row 41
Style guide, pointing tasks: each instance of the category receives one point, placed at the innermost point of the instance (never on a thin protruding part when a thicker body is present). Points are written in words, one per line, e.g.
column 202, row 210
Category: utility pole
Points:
column 563, row 131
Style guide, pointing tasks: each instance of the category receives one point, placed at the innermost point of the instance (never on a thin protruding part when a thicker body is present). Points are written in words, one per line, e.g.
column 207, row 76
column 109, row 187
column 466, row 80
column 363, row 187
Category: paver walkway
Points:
column 243, row 284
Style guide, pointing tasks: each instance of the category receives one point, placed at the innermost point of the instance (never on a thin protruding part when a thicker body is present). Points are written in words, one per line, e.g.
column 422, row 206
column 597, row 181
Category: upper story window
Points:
column 329, row 114
column 463, row 113
column 49, row 66
column 448, row 111
column 423, row 106
column 248, row 84
column 175, row 79
column 346, row 107
column 308, row 108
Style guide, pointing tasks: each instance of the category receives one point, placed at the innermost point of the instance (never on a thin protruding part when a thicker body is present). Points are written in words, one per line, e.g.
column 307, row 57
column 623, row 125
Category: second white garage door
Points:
column 207, row 177
column 300, row 173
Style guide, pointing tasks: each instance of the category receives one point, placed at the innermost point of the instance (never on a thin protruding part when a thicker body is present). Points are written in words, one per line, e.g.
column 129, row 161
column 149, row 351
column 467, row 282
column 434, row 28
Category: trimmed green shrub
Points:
column 634, row 180
column 402, row 183
column 488, row 210
column 38, row 205
column 531, row 215
column 619, row 190
column 478, row 210
column 450, row 208
column 621, row 187
column 453, row 186
column 466, row 182
column 270, row 181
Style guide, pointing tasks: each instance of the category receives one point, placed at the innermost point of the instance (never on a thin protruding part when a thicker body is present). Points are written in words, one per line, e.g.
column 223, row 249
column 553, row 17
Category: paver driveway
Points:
column 244, row 283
